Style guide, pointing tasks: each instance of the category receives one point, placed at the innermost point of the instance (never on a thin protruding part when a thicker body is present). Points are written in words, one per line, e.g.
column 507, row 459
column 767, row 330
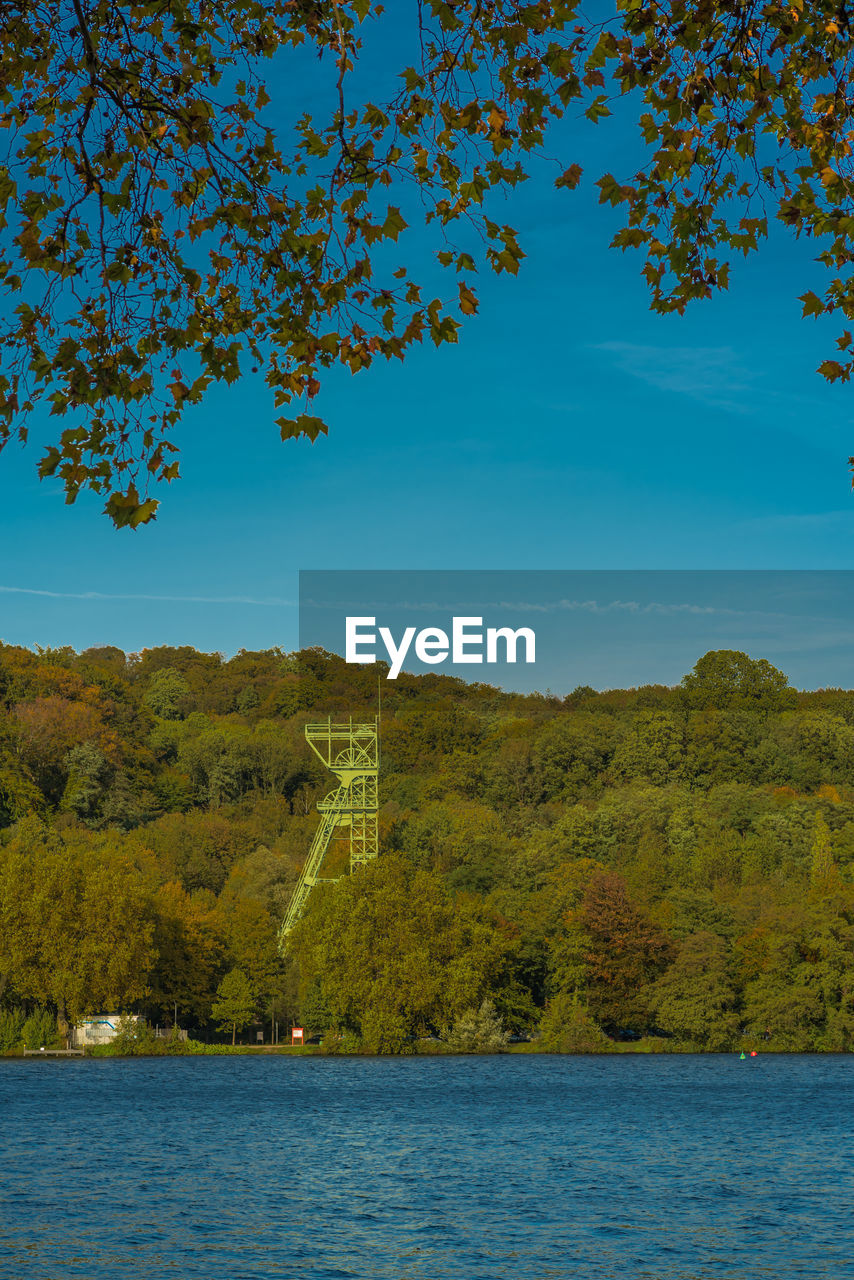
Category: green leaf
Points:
column 304, row 425
column 393, row 224
column 598, row 109
column 813, row 305
column 126, row 510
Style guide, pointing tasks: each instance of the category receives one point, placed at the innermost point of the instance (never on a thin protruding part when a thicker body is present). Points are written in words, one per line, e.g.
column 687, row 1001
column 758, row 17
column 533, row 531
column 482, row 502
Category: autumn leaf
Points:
column 128, row 510
column 468, row 301
column 570, row 177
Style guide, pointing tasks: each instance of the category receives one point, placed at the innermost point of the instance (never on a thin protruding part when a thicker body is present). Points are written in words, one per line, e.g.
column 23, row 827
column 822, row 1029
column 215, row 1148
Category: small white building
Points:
column 100, row 1028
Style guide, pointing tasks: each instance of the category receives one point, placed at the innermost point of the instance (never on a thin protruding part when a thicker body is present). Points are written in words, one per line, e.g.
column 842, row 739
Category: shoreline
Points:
column 317, row 1051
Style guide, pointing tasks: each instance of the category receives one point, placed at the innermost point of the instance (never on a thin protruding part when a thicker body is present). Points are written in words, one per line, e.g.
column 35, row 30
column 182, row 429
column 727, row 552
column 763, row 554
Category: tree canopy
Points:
column 394, row 956
column 75, row 922
column 170, row 219
column 674, row 863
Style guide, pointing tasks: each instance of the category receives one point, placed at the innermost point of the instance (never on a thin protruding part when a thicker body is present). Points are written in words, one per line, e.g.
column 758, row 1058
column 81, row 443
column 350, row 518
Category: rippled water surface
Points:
column 426, row 1168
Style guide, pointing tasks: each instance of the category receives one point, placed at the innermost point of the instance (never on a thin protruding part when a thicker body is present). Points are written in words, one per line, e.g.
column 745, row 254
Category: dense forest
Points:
column 665, row 866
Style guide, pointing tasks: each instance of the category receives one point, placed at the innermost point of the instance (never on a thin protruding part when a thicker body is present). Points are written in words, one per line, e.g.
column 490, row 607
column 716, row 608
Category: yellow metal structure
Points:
column 351, row 752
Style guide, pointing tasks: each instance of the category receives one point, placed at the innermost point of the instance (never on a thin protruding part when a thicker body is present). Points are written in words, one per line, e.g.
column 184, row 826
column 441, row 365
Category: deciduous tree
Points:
column 75, row 921
column 235, row 1003
column 623, row 952
column 695, row 998
column 166, row 225
column 395, row 956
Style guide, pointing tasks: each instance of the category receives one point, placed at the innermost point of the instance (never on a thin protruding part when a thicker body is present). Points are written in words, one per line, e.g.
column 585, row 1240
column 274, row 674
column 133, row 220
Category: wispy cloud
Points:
column 519, row 606
column 265, row 601
column 714, row 375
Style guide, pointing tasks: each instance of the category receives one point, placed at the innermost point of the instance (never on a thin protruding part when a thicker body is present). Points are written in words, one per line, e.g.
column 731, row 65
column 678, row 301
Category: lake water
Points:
column 530, row 1167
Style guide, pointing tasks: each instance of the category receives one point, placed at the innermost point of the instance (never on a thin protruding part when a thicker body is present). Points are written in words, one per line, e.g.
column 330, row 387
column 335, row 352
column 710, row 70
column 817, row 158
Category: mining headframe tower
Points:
column 350, row 751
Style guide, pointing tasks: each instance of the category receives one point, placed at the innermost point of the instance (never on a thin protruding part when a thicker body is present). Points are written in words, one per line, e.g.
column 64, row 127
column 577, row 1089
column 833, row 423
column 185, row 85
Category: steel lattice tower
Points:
column 351, row 752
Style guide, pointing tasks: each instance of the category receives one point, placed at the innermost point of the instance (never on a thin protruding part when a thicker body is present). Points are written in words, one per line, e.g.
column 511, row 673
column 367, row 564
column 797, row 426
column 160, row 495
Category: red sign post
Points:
column 297, row 1035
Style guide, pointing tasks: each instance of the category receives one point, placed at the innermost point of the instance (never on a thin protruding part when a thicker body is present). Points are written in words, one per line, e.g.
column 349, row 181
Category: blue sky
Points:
column 570, row 428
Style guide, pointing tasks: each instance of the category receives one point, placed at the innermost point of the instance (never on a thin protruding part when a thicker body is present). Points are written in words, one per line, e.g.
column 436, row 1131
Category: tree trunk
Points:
column 233, row 1031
